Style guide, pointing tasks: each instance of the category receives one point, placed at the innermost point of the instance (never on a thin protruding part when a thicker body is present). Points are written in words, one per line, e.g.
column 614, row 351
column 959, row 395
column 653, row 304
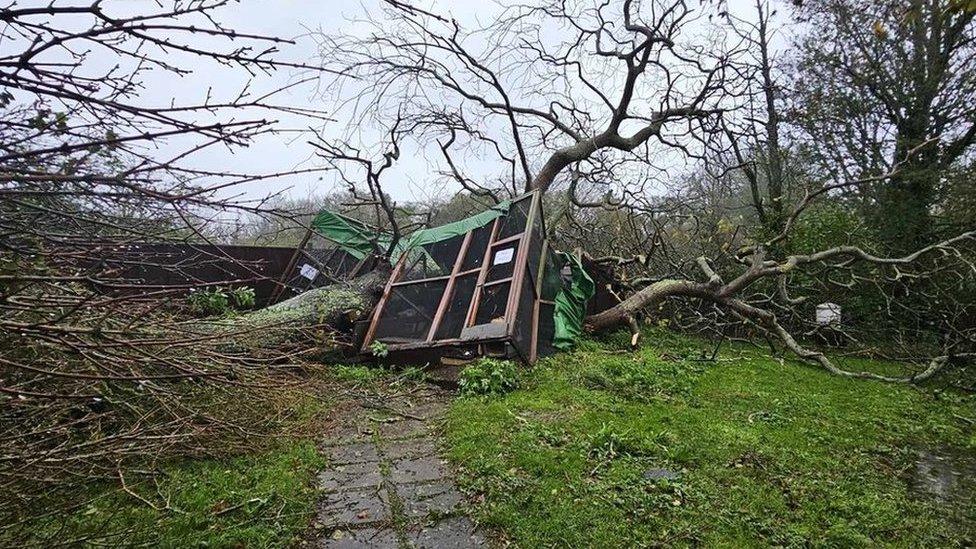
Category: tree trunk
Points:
column 318, row 316
column 647, row 298
column 902, row 218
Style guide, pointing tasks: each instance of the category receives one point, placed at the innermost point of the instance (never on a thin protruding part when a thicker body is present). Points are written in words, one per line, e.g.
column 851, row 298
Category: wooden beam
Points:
column 473, row 308
column 452, row 279
column 518, row 273
column 534, row 346
column 291, row 265
column 378, row 310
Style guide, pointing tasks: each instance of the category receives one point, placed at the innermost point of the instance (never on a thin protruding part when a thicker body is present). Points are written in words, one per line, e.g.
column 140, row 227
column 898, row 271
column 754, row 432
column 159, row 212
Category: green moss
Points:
column 767, row 452
column 300, row 318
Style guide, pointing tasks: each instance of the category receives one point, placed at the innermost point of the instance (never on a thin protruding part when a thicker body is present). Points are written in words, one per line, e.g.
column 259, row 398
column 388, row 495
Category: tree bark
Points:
column 646, row 298
column 317, row 316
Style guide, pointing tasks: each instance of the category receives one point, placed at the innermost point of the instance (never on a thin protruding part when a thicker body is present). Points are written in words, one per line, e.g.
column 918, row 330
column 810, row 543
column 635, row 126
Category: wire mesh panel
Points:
column 457, row 308
column 432, row 260
column 522, row 335
column 177, row 267
column 552, row 279
column 493, row 302
column 547, row 330
column 335, row 263
column 514, row 222
column 445, row 253
column 341, row 264
column 475, row 255
column 535, row 250
column 409, row 312
column 502, row 261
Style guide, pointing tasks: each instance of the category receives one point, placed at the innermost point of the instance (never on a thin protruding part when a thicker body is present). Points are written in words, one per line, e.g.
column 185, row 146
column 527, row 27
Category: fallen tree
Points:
column 728, row 294
column 318, row 318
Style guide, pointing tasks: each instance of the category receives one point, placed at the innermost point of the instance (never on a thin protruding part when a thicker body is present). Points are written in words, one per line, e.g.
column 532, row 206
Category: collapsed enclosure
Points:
column 490, row 285
column 174, row 268
column 487, row 285
column 318, row 261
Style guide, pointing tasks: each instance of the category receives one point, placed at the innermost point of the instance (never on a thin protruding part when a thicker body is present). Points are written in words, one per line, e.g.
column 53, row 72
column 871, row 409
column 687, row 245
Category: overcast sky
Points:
column 412, row 178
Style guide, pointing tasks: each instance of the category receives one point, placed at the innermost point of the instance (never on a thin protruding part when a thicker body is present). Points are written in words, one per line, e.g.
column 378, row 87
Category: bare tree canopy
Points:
column 601, row 89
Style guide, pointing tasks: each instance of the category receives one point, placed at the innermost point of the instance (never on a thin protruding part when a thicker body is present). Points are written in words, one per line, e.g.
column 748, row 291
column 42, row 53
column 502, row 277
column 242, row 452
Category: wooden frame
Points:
column 362, row 266
column 513, row 317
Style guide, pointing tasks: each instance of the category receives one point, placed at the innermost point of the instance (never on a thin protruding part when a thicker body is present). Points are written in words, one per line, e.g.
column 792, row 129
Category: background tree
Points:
column 754, row 137
column 883, row 83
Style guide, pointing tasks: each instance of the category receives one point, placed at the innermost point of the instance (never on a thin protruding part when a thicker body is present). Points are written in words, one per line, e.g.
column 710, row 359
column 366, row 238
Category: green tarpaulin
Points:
column 358, row 239
column 432, row 235
column 570, row 309
column 355, row 237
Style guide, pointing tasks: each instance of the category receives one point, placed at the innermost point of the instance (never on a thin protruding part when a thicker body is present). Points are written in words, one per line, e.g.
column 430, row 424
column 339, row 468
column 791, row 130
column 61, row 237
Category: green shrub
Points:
column 826, row 226
column 489, row 376
column 242, row 297
column 213, row 301
column 379, row 349
column 219, row 301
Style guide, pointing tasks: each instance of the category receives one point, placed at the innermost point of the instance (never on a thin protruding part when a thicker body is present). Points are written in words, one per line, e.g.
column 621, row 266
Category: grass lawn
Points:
column 761, row 452
column 262, row 494
column 259, row 500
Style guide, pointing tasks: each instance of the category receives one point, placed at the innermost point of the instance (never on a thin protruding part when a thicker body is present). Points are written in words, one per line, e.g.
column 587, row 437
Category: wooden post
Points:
column 534, row 350
column 518, row 273
column 446, row 298
column 291, row 265
column 378, row 310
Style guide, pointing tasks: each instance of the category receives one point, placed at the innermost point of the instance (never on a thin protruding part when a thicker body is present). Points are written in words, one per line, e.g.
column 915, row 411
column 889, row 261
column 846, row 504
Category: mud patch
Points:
column 943, row 474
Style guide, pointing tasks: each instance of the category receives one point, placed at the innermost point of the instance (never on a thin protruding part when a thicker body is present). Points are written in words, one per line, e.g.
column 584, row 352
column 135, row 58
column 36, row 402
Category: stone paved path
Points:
column 385, row 485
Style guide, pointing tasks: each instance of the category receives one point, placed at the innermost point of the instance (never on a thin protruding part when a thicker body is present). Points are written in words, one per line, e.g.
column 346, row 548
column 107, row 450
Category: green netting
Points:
column 570, row 309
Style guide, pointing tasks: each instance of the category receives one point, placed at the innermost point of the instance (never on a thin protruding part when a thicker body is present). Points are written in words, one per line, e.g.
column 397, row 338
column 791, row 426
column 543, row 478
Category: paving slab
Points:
column 433, row 498
column 420, row 469
column 378, row 538
column 353, row 507
column 451, row 532
column 425, row 408
column 403, row 428
column 349, row 435
column 410, row 448
column 351, row 476
column 356, row 452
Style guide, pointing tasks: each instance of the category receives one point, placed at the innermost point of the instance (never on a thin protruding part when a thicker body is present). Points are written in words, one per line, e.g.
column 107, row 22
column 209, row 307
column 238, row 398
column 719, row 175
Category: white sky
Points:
column 409, row 180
